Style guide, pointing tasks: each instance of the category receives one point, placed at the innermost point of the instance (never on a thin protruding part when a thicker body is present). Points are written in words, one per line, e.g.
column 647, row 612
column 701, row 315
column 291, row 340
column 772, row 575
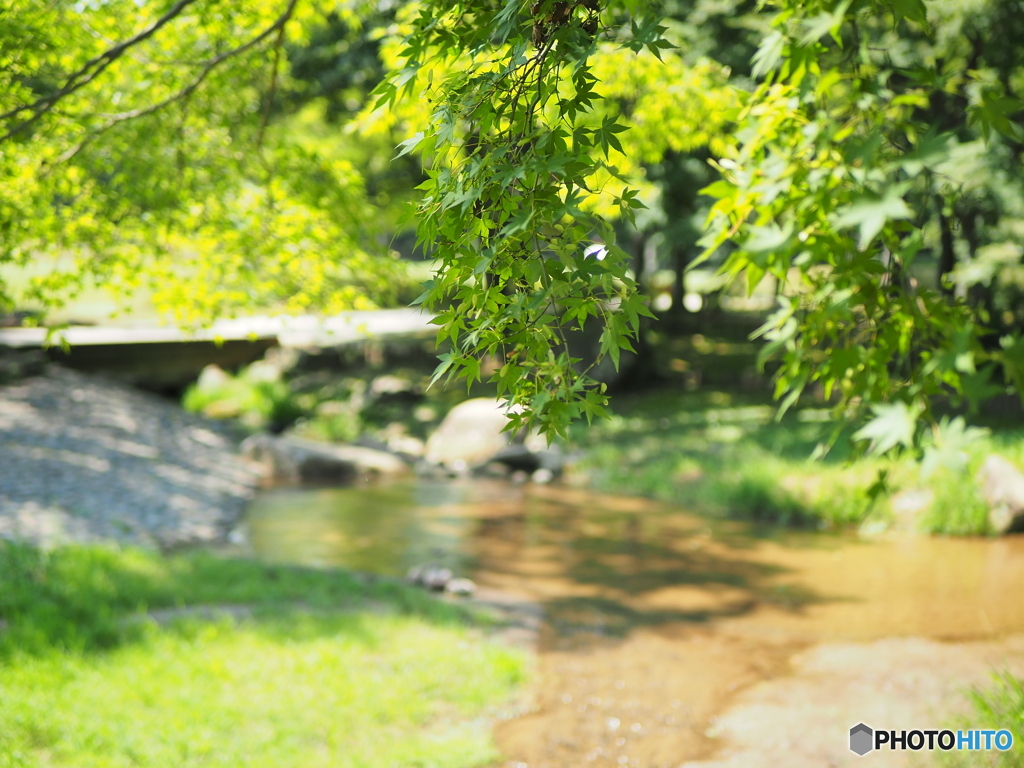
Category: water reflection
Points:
column 607, row 564
column 383, row 529
column 658, row 618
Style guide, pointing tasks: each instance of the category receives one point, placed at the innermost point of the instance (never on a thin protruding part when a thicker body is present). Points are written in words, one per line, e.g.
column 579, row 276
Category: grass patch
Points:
column 997, row 706
column 958, row 508
column 724, row 454
column 325, row 670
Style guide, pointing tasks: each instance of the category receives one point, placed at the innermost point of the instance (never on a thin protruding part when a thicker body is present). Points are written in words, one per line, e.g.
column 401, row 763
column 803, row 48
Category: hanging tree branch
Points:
column 211, row 64
column 272, row 89
column 89, row 71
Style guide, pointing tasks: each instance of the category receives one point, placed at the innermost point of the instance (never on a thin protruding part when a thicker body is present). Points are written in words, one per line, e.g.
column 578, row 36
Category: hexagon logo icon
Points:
column 861, row 739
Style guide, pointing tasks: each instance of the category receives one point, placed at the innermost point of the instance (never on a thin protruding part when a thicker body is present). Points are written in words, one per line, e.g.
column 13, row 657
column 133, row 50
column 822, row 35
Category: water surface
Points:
column 608, row 563
column 657, row 619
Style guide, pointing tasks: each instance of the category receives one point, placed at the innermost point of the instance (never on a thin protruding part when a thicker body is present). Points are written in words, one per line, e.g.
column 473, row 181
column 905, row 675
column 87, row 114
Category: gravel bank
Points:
column 86, row 459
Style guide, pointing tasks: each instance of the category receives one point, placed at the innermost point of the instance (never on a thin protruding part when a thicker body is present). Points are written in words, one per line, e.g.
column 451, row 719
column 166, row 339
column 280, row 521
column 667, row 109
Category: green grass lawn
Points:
column 320, row 670
column 723, row 453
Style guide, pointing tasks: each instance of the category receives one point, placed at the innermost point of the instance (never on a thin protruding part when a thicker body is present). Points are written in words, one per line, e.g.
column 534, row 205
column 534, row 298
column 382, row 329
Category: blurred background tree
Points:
column 170, row 147
column 232, row 159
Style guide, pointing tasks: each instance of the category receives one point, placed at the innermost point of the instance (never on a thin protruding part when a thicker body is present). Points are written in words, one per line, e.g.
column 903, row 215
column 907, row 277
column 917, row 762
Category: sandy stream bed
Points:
column 671, row 644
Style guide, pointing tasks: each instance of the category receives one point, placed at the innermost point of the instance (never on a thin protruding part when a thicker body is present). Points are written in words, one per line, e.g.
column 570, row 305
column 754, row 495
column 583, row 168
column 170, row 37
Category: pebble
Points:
column 461, row 587
column 542, row 476
column 439, row 579
column 436, row 578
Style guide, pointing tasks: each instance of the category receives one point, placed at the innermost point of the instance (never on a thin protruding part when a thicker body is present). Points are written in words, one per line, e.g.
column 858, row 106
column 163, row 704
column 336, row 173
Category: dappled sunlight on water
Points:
column 608, row 564
column 656, row 618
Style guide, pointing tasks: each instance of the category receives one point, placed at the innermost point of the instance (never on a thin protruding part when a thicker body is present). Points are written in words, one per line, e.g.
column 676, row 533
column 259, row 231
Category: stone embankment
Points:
column 86, row 459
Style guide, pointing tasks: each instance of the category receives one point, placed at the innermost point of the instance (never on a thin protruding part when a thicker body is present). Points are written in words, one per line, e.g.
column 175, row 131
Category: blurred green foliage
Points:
column 858, row 161
column 188, row 167
column 722, row 452
column 338, row 399
column 958, row 508
column 257, row 400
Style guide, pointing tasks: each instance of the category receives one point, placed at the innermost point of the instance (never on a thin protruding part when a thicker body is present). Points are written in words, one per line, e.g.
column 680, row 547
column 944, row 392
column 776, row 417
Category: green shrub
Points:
column 958, row 508
column 728, row 458
column 755, row 493
column 334, row 422
column 257, row 402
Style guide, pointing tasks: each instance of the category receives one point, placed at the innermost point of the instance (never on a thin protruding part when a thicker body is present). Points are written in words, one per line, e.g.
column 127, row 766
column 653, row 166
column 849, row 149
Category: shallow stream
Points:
column 670, row 639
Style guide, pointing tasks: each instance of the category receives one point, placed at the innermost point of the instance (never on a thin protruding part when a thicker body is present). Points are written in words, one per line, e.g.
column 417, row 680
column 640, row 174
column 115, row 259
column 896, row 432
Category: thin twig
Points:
column 282, row 23
column 89, row 71
column 185, row 92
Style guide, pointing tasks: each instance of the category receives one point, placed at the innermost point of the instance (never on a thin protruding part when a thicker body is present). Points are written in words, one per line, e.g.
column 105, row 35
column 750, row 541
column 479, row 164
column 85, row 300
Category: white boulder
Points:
column 470, row 435
column 1002, row 486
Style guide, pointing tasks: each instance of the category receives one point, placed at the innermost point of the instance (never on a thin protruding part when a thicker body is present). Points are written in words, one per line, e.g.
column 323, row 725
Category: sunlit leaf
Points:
column 869, row 214
column 893, row 424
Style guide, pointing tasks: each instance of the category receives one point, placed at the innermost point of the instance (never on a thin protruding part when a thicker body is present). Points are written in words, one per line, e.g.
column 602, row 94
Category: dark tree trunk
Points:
column 677, row 317
column 640, row 371
column 947, row 256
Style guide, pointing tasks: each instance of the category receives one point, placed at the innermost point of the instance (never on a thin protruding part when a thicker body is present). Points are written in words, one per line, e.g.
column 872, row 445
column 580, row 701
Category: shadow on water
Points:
column 597, row 564
column 615, row 563
column 613, row 618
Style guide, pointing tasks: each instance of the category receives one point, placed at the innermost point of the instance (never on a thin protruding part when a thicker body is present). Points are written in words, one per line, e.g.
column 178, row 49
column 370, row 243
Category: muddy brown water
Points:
column 673, row 640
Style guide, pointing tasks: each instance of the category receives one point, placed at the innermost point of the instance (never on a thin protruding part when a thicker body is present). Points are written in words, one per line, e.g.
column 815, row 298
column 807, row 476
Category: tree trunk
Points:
column 947, row 256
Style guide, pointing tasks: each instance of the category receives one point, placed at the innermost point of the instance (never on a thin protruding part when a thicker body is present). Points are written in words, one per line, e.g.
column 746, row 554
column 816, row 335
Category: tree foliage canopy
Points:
column 139, row 145
column 861, row 133
column 853, row 141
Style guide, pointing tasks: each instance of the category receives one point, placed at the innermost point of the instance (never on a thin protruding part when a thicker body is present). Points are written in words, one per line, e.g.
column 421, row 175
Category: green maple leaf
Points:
column 410, row 144
column 767, row 239
column 948, row 446
column 909, row 9
column 870, row 213
column 769, row 54
column 978, row 386
column 894, row 424
column 826, row 23
column 995, row 112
